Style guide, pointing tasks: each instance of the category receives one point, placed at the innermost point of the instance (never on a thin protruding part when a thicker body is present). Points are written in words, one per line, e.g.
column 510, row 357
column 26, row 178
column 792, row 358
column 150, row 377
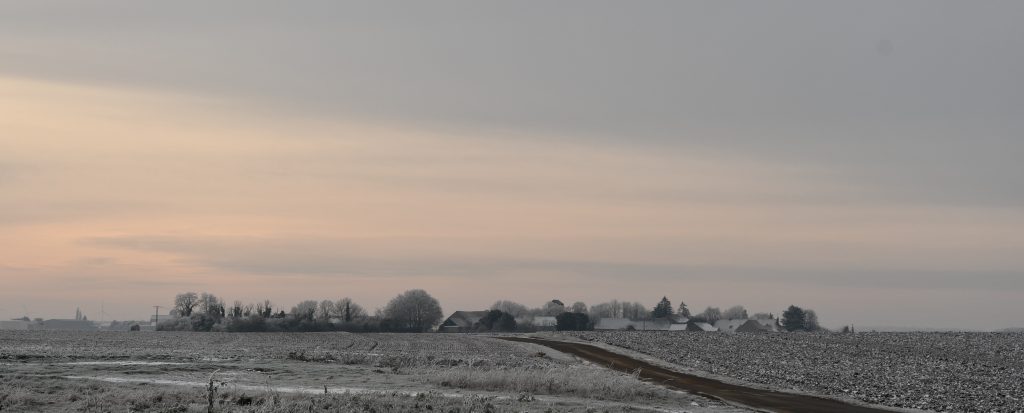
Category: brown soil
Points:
column 747, row 396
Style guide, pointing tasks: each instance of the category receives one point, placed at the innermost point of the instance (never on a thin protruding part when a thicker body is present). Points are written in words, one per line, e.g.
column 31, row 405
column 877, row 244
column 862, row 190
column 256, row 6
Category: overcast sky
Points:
column 862, row 158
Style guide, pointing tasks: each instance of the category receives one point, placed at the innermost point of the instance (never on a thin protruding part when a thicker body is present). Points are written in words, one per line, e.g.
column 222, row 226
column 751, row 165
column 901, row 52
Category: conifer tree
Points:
column 663, row 309
column 683, row 310
column 794, row 319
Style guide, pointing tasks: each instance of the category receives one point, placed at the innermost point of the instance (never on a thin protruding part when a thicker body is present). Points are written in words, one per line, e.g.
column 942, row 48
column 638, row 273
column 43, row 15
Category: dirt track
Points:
column 747, row 396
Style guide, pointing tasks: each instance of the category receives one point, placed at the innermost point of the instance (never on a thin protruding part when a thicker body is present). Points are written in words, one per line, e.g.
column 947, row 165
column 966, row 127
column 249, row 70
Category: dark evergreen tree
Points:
column 663, row 309
column 572, row 322
column 794, row 319
column 497, row 320
column 683, row 310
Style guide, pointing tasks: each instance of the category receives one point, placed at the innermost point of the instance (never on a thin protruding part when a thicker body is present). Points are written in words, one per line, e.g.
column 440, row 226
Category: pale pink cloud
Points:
column 130, row 196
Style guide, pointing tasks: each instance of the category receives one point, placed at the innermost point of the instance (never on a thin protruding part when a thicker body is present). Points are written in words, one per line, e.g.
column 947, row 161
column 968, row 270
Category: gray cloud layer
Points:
column 868, row 146
column 341, row 258
column 919, row 101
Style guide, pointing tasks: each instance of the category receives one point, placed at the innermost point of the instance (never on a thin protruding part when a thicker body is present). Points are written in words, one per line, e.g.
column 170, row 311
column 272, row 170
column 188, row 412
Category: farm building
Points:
column 681, row 324
column 14, row 325
column 609, row 323
column 678, row 327
column 678, row 319
column 155, row 319
column 660, row 324
column 742, row 326
column 67, row 325
column 699, row 326
column 545, row 323
column 770, row 325
column 462, row 322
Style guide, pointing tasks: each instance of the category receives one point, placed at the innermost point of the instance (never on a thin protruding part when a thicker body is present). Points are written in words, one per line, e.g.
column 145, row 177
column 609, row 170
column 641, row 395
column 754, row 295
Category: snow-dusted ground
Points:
column 956, row 372
column 392, row 365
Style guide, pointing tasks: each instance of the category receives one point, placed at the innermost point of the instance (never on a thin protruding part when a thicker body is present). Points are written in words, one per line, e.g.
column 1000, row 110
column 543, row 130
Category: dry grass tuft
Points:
column 580, row 381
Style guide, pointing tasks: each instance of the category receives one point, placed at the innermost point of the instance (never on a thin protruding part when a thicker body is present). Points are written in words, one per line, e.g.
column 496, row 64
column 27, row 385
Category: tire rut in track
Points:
column 731, row 393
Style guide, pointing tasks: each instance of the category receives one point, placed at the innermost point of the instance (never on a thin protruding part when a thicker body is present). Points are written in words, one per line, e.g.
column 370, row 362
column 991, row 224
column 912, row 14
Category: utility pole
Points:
column 156, row 319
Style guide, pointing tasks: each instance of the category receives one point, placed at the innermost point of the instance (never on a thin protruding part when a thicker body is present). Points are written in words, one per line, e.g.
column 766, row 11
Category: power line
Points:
column 103, row 311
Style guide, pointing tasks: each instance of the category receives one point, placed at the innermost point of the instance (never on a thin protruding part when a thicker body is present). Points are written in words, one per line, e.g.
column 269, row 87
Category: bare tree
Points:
column 736, row 312
column 236, row 309
column 265, row 309
column 579, row 307
column 811, row 320
column 414, row 309
column 634, row 311
column 712, row 314
column 305, row 310
column 511, row 307
column 325, row 310
column 552, row 308
column 348, row 310
column 616, row 307
column 210, row 305
column 184, row 303
column 603, row 310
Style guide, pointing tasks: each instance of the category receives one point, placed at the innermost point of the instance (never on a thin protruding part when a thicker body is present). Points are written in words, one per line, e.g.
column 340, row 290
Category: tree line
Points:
column 411, row 311
column 579, row 316
column 417, row 311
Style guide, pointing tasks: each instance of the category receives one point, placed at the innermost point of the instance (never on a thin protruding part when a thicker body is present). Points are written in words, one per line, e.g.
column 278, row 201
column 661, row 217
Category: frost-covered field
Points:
column 281, row 372
column 955, row 372
column 387, row 350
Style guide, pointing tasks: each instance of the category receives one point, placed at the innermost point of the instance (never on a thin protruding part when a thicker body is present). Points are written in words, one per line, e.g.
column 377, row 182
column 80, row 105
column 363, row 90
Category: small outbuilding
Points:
column 462, row 322
column 770, row 325
column 545, row 323
column 700, row 326
column 614, row 323
column 658, row 324
column 68, row 325
column 741, row 326
column 14, row 325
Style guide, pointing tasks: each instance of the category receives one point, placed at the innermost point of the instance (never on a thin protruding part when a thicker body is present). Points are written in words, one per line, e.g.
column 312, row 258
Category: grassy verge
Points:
column 28, row 393
column 579, row 381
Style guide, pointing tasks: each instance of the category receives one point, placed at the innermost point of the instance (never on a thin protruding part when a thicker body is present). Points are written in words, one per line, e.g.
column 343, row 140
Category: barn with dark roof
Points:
column 462, row 322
